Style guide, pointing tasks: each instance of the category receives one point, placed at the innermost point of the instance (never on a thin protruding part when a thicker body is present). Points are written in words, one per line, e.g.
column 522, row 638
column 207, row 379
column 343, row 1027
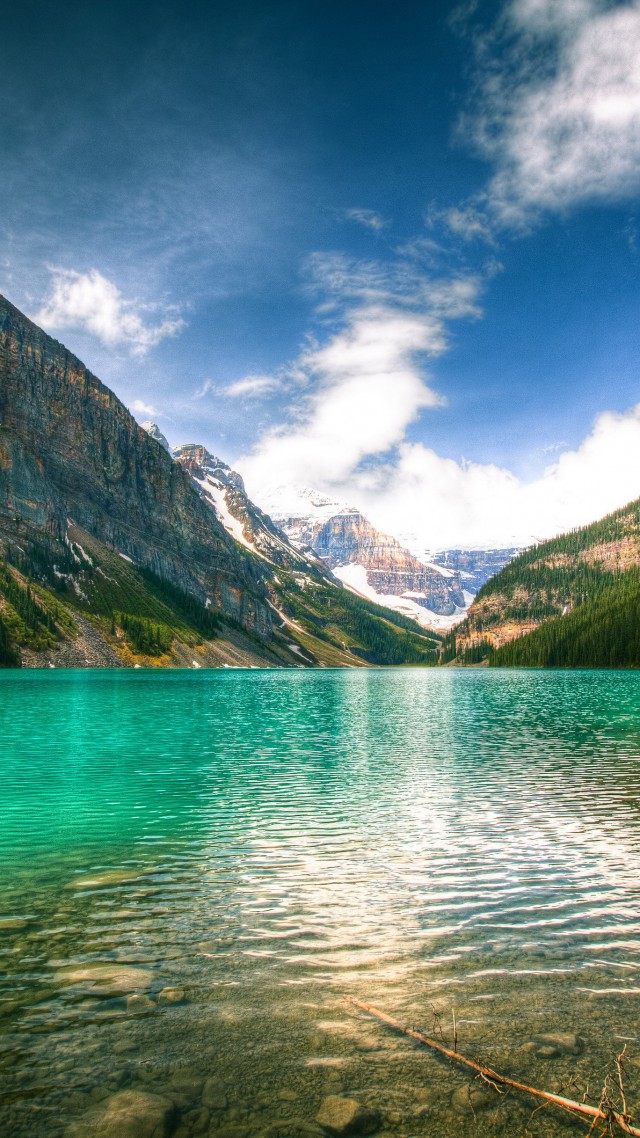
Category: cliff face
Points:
column 224, row 489
column 69, row 449
column 475, row 566
column 347, row 539
column 391, row 570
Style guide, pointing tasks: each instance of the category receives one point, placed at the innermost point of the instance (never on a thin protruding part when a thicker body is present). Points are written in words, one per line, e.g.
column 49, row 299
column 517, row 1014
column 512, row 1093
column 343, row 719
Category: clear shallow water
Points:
column 267, row 842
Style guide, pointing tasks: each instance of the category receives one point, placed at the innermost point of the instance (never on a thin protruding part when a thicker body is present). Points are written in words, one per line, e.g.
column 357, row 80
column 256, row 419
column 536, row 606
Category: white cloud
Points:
column 433, row 502
column 446, row 503
column 367, row 389
column 560, row 107
column 144, row 408
column 469, row 223
column 548, row 17
column 206, row 388
column 364, row 386
column 251, row 387
column 366, row 217
column 90, row 302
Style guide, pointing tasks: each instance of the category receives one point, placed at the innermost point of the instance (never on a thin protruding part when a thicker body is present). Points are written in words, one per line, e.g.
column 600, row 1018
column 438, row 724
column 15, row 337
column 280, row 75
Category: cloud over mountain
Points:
column 91, row 302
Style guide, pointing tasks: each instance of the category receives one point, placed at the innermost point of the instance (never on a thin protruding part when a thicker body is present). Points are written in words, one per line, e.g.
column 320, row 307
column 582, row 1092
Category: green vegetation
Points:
column 540, row 582
column 109, row 590
column 147, row 638
column 27, row 620
column 585, row 596
column 204, row 620
column 9, row 655
column 476, row 652
column 599, row 633
column 448, row 648
column 136, row 606
column 367, row 630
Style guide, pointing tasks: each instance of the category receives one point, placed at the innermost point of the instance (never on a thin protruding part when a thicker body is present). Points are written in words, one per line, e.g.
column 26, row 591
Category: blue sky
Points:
column 388, row 250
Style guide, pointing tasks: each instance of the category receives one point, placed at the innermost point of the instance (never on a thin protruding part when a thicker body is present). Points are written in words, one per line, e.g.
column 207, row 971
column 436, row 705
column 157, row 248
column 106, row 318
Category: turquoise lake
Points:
column 197, row 867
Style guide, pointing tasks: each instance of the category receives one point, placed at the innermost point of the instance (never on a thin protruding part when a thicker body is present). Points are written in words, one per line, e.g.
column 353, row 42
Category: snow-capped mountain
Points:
column 475, row 566
column 298, row 525
column 154, row 432
column 435, row 588
column 370, row 562
column 224, row 489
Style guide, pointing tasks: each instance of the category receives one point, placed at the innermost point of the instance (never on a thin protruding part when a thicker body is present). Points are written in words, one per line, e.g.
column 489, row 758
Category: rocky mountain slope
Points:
column 110, row 549
column 561, row 600
column 224, row 489
column 370, row 562
column 475, row 566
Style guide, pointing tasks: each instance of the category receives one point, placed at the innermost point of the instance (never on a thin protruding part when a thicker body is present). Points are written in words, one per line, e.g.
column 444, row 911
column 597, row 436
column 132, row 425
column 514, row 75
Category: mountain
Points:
column 370, row 562
column 303, row 587
column 69, row 449
column 113, row 552
column 571, row 601
column 224, row 489
column 475, row 566
column 436, row 589
column 154, row 432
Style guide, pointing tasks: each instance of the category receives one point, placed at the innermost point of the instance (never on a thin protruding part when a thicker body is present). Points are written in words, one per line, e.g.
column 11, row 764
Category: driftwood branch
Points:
column 604, row 1113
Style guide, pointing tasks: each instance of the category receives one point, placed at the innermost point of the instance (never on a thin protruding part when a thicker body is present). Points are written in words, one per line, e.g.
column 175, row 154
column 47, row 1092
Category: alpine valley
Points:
column 115, row 552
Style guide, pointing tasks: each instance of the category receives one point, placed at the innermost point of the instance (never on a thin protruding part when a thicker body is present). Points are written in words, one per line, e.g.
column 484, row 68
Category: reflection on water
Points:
column 198, row 866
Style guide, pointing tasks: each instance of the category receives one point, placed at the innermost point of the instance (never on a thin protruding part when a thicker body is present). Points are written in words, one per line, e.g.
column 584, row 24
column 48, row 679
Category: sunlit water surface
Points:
column 263, row 843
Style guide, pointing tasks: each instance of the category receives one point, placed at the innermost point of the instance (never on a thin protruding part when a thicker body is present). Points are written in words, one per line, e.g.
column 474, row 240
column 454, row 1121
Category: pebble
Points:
column 12, row 924
column 171, row 996
column 112, row 979
column 139, row 1003
column 369, row 1043
column 128, row 1114
column 555, row 1045
column 345, row 1116
column 473, row 1097
column 104, row 880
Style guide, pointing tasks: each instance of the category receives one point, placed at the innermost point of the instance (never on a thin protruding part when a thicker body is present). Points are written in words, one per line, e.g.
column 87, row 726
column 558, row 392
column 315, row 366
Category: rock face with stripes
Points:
column 71, row 451
column 224, row 489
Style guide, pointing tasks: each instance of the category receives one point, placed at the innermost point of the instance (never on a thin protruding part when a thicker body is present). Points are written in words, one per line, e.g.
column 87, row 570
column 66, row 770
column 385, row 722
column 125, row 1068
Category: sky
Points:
column 388, row 251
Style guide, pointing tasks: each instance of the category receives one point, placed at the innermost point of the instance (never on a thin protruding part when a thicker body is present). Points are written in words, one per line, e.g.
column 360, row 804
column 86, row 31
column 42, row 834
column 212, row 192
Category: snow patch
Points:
column 355, row 578
column 215, row 493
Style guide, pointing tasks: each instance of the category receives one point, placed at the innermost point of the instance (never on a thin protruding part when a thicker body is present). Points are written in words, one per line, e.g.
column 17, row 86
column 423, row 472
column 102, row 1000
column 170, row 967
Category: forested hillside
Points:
column 568, row 602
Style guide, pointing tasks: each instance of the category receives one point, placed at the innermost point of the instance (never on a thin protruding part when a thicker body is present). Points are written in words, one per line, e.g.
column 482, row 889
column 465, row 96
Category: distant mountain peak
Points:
column 194, row 455
column 154, row 432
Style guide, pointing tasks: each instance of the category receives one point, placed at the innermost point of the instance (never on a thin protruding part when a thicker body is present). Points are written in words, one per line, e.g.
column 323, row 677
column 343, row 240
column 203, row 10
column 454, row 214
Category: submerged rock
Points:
column 104, row 880
column 128, row 1114
column 213, row 1095
column 171, row 996
column 344, row 1116
column 139, row 1003
column 13, row 924
column 473, row 1097
column 555, row 1044
column 109, row 979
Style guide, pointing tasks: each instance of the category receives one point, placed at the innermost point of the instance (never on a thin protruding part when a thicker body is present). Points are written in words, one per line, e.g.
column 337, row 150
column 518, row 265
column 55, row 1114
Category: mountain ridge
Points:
column 102, row 530
column 554, row 586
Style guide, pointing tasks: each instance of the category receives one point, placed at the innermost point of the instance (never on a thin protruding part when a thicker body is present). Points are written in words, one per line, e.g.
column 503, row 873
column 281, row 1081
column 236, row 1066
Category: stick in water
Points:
column 621, row 1120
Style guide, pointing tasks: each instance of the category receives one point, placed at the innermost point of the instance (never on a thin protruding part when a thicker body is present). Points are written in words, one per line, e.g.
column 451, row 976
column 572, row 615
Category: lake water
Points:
column 245, row 848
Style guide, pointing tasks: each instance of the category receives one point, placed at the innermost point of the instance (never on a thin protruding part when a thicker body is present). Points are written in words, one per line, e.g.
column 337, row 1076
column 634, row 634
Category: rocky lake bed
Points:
column 185, row 913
